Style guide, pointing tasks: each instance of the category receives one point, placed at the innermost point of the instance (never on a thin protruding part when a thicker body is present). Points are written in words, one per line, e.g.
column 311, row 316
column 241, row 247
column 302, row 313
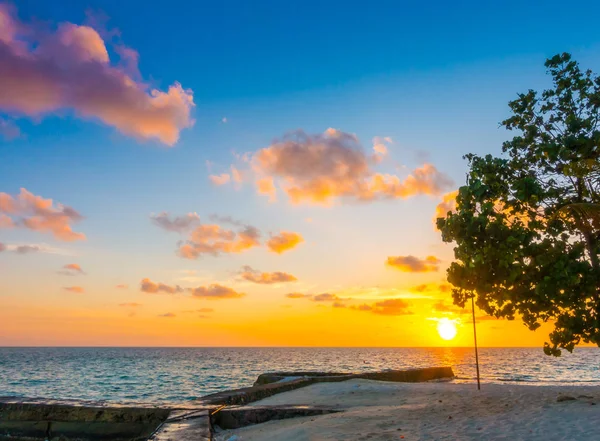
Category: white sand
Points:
column 376, row 410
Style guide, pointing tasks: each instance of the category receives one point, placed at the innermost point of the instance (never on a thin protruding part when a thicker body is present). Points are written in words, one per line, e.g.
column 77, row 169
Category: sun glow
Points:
column 446, row 328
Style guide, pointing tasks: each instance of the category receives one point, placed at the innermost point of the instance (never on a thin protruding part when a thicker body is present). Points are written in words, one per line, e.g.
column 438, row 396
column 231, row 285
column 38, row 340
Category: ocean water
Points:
column 176, row 375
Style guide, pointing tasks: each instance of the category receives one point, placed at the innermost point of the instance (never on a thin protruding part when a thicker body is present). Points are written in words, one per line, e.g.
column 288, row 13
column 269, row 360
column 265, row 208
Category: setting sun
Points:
column 446, row 328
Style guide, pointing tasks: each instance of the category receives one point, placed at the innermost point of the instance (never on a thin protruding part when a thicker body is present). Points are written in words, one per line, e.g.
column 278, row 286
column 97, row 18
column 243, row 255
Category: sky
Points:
column 259, row 173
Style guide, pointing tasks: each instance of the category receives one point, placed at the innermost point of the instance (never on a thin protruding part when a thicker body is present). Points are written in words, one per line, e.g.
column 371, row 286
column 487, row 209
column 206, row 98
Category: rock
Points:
column 562, row 398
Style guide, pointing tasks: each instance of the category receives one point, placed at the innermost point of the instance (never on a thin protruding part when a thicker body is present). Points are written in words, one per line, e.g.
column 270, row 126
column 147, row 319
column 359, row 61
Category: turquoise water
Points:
column 174, row 375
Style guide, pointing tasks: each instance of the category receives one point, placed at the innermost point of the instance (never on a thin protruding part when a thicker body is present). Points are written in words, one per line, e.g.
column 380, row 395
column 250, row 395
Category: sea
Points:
column 179, row 375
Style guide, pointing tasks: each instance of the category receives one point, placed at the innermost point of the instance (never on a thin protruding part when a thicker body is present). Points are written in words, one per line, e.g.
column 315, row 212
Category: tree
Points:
column 526, row 225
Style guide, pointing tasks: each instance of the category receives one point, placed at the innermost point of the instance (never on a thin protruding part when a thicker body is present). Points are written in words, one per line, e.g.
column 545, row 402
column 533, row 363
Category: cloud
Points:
column 325, row 297
column 339, row 305
column 225, row 220
column 215, row 240
column 69, row 68
column 178, row 224
column 167, row 315
column 206, row 310
column 33, row 212
column 224, row 120
column 72, row 269
column 412, row 264
column 284, row 241
column 448, row 204
column 266, row 186
column 6, row 221
column 215, row 292
column 256, row 276
column 8, row 129
column 386, row 307
column 429, row 287
column 325, row 168
column 147, row 285
column 221, row 179
column 130, row 305
column 297, row 295
column 122, row 286
column 441, row 306
column 2, row 247
column 380, row 147
column 26, row 249
column 75, row 289
column 35, row 248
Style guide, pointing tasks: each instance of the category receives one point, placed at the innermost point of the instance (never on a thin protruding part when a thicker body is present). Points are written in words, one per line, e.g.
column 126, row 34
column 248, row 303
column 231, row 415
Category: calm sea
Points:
column 174, row 375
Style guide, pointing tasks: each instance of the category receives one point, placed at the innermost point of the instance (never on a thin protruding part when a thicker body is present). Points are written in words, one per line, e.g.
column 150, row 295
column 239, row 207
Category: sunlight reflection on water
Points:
column 180, row 374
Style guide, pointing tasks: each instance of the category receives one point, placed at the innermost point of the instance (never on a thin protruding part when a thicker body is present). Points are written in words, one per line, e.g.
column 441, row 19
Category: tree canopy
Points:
column 525, row 226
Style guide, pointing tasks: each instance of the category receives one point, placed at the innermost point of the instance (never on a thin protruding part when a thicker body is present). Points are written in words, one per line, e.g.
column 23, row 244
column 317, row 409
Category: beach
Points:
column 382, row 411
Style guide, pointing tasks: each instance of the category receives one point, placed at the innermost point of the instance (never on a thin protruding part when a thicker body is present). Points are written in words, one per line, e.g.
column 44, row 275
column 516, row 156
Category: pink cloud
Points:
column 221, row 179
column 70, row 68
column 72, row 269
column 36, row 213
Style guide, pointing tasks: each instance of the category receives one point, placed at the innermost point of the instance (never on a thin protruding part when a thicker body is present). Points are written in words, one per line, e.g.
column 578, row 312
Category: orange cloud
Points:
column 167, row 315
column 215, row 240
column 215, row 292
column 297, row 295
column 130, row 305
column 284, row 241
column 122, row 286
column 43, row 72
column 412, row 264
column 441, row 306
column 324, row 168
column 386, row 307
column 326, row 297
column 428, row 287
column 147, row 285
column 267, row 186
column 38, row 214
column 221, row 179
column 72, row 269
column 448, row 204
column 255, row 276
column 75, row 289
column 323, row 297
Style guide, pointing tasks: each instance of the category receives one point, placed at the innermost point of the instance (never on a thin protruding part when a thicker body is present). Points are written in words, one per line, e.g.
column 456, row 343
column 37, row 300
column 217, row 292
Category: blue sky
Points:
column 435, row 77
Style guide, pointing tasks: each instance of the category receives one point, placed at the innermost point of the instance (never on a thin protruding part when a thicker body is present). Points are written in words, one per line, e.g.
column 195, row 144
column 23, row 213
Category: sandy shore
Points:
column 432, row 411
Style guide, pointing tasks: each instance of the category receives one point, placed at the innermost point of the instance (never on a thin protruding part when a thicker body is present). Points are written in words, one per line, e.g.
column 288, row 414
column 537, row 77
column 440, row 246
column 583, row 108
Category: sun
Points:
column 446, row 328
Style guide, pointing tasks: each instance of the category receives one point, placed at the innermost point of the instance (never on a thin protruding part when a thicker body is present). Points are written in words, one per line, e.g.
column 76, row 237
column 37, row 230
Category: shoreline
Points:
column 305, row 406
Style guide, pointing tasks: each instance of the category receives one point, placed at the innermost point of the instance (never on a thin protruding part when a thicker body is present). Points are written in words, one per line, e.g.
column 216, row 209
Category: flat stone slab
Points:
column 277, row 382
column 191, row 427
column 238, row 416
